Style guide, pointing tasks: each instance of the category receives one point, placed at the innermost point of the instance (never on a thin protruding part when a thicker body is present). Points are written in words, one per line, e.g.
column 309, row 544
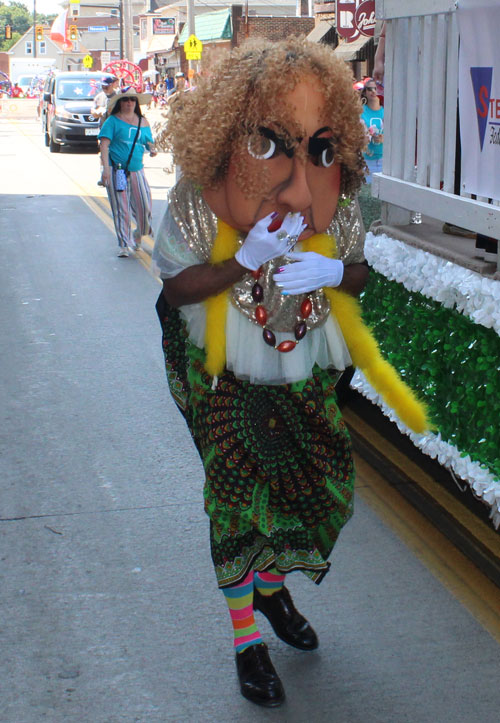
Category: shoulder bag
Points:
column 121, row 174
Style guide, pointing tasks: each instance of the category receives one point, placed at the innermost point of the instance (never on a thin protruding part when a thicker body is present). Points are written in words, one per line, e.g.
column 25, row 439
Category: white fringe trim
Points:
column 483, row 484
column 451, row 285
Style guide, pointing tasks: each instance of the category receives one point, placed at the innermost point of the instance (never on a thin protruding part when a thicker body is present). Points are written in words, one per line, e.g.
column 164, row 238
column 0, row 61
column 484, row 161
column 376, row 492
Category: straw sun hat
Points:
column 143, row 98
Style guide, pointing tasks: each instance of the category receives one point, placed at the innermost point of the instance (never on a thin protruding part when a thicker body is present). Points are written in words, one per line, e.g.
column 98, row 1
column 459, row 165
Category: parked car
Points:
column 66, row 114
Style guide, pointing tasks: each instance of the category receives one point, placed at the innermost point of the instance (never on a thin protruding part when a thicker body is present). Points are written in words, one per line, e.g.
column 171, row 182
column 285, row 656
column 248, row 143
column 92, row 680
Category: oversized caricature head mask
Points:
column 273, row 127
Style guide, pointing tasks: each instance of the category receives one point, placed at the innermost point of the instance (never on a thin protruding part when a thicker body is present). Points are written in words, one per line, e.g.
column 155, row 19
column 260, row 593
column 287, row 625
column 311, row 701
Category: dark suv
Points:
column 66, row 111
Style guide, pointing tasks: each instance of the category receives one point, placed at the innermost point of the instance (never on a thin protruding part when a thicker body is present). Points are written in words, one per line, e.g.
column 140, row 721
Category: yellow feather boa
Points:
column 363, row 348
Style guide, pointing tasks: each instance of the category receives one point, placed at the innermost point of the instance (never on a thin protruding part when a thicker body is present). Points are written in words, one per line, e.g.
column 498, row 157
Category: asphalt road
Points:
column 109, row 611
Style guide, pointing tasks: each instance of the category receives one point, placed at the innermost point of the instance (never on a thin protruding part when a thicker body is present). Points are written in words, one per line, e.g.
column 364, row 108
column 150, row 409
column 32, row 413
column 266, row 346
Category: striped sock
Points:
column 239, row 599
column 269, row 582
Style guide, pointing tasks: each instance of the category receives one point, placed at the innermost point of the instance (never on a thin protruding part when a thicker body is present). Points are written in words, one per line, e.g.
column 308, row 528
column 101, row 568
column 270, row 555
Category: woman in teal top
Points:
column 373, row 119
column 125, row 125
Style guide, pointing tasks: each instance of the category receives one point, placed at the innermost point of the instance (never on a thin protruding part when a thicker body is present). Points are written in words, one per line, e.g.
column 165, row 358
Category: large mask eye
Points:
column 327, row 157
column 261, row 147
column 321, row 152
column 269, row 144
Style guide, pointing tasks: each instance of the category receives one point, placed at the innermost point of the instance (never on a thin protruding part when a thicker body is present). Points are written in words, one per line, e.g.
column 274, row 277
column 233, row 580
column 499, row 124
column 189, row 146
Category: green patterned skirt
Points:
column 279, row 471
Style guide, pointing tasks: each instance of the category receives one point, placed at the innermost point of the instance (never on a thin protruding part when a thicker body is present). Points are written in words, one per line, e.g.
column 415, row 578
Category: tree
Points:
column 45, row 19
column 17, row 15
column 7, row 44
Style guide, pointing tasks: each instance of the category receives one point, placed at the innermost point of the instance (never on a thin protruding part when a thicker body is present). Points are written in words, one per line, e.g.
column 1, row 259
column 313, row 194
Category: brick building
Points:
column 272, row 28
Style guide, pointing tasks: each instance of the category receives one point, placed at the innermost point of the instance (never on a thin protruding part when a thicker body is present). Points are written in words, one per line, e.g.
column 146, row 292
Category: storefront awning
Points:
column 210, row 27
column 354, row 50
column 160, row 44
column 319, row 31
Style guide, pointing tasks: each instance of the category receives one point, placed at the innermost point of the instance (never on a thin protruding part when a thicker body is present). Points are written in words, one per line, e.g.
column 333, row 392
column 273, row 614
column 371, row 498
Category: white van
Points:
column 25, row 81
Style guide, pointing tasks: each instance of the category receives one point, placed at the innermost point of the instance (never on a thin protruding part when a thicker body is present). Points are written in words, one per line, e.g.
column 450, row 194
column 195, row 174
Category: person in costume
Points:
column 261, row 254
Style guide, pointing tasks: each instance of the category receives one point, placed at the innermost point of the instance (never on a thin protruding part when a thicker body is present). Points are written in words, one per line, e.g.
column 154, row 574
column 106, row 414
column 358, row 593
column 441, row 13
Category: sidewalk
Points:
column 154, row 115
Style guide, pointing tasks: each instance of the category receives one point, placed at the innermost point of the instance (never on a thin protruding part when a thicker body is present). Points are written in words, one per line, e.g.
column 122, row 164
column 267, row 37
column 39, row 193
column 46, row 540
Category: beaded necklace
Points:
column 261, row 317
column 363, row 348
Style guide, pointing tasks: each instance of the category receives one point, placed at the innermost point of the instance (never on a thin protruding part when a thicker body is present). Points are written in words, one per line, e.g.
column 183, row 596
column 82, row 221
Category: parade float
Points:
column 129, row 74
column 435, row 309
column 5, row 85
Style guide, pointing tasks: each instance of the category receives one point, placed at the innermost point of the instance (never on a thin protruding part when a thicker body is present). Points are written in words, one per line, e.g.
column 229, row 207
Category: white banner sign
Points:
column 479, row 96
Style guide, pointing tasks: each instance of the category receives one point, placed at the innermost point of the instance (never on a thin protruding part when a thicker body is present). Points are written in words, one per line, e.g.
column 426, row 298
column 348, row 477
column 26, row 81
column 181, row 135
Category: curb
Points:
column 425, row 484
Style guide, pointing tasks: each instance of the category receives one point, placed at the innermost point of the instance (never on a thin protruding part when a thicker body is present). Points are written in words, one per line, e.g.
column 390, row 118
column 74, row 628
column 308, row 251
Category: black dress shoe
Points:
column 259, row 682
column 287, row 622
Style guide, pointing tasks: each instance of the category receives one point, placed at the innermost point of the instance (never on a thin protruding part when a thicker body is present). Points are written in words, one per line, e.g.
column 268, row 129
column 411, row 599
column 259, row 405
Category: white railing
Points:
column 420, row 124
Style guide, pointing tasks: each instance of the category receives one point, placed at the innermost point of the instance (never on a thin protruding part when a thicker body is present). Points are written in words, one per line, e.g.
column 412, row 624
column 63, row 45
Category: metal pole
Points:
column 121, row 29
column 128, row 31
column 191, row 25
column 34, row 28
column 190, row 14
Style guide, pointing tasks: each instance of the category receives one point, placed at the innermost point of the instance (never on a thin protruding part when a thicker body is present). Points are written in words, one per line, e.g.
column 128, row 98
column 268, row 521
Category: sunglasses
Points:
column 371, row 87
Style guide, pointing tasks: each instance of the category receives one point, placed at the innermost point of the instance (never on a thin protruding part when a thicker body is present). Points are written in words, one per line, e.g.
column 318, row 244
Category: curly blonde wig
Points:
column 239, row 95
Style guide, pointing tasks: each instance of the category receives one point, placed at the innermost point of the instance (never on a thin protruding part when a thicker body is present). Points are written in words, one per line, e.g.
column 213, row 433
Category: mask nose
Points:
column 295, row 193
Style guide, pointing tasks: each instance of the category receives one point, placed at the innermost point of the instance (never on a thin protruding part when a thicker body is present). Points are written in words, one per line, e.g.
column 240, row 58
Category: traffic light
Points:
column 73, row 32
column 39, row 32
column 8, row 32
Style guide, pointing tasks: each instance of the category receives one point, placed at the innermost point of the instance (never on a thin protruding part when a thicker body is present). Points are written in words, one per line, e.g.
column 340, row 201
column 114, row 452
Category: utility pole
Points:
column 191, row 25
column 121, row 29
column 34, row 28
column 128, row 29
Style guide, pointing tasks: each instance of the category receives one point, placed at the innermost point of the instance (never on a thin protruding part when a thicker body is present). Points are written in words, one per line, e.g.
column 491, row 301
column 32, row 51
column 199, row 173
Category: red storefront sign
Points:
column 355, row 18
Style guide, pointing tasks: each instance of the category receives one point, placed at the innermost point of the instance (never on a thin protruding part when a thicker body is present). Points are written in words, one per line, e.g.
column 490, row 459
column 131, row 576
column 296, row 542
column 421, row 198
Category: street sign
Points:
column 105, row 57
column 97, row 29
column 88, row 61
column 354, row 18
column 163, row 26
column 193, row 48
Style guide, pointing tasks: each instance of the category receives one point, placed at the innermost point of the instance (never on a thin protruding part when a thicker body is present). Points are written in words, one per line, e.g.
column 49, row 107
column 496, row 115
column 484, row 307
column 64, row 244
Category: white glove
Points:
column 310, row 271
column 262, row 245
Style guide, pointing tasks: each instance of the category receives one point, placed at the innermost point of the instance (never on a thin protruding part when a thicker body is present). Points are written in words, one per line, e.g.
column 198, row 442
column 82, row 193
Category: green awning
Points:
column 210, row 27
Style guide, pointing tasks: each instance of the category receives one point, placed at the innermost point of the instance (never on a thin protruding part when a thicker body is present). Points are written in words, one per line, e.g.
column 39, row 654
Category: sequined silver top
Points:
column 198, row 227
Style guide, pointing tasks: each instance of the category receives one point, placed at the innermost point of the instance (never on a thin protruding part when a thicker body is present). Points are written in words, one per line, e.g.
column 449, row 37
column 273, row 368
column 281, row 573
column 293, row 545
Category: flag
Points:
column 59, row 31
